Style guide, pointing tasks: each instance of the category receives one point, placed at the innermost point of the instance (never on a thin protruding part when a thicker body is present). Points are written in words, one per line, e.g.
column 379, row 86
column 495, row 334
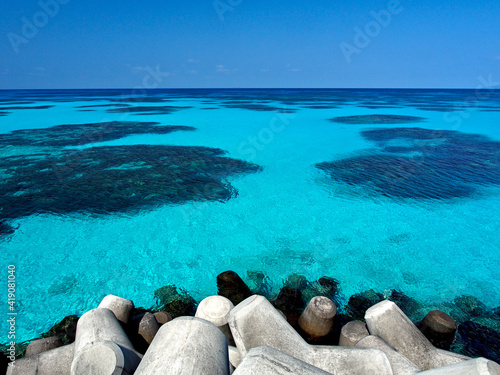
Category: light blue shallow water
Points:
column 288, row 218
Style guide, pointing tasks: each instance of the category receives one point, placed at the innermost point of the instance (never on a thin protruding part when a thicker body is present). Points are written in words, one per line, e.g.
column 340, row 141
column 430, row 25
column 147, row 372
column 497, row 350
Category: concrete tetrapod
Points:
column 186, row 346
column 478, row 366
column 235, row 357
column 102, row 347
column 42, row 345
column 121, row 307
column 255, row 322
column 386, row 320
column 216, row 309
column 399, row 363
column 52, row 362
column 317, row 318
column 269, row 361
column 352, row 332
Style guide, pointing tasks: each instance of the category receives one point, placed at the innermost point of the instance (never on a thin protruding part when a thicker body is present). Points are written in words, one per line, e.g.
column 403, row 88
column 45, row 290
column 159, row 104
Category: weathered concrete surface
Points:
column 42, row 345
column 148, row 327
column 399, row 363
column 235, row 357
column 255, row 322
column 186, row 346
column 386, row 320
column 317, row 318
column 216, row 309
column 479, row 366
column 352, row 332
column 264, row 360
column 121, row 307
column 101, row 343
column 52, row 362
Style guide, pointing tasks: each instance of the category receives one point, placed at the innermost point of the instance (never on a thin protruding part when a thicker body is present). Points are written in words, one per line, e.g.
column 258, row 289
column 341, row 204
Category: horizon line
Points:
column 253, row 88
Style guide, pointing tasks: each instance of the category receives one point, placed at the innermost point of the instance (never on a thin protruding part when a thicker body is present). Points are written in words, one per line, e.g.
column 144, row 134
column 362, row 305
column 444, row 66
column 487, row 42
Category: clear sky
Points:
column 248, row 43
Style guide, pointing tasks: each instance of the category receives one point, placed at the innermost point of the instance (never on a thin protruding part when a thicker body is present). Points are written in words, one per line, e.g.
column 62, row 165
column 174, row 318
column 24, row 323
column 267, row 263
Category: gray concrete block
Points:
column 52, row 362
column 104, row 358
column 235, row 357
column 352, row 332
column 162, row 317
column 399, row 363
column 266, row 360
column 386, row 320
column 121, row 307
column 216, row 309
column 317, row 318
column 101, row 343
column 186, row 346
column 479, row 366
column 42, row 345
column 148, row 327
column 255, row 322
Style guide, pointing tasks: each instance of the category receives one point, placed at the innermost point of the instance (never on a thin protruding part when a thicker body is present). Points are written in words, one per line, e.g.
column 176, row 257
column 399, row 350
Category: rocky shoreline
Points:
column 305, row 329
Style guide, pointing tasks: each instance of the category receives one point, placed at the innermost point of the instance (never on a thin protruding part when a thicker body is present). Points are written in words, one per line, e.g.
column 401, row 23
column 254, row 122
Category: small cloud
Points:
column 497, row 58
column 265, row 70
column 40, row 69
column 224, row 69
column 193, row 71
column 192, row 61
column 294, row 70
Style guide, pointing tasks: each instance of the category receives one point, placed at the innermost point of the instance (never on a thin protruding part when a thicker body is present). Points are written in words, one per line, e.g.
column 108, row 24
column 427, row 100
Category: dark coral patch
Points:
column 81, row 134
column 321, row 106
column 148, row 110
column 103, row 105
column 27, row 107
column 376, row 119
column 421, row 164
column 124, row 179
column 5, row 229
column 259, row 107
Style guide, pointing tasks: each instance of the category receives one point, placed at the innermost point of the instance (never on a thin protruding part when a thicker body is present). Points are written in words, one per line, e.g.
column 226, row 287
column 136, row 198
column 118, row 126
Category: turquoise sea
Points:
column 382, row 189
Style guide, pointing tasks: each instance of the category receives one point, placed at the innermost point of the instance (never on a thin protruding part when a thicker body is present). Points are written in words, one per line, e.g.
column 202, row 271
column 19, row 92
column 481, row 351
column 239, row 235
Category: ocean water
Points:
column 382, row 189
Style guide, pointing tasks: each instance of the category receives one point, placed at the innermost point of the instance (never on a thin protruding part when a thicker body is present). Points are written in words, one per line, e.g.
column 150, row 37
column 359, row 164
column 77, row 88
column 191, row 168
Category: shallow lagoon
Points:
column 289, row 217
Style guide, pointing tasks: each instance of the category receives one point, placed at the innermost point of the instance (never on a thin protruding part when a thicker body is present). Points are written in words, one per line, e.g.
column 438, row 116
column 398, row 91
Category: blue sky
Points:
column 248, row 43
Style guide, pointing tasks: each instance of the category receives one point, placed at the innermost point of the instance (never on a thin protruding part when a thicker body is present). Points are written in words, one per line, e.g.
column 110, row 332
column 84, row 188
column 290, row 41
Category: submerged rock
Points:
column 291, row 303
column 174, row 302
column 410, row 306
column 477, row 341
column 65, row 329
column 5, row 229
column 359, row 303
column 469, row 307
column 231, row 286
column 324, row 286
column 259, row 283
